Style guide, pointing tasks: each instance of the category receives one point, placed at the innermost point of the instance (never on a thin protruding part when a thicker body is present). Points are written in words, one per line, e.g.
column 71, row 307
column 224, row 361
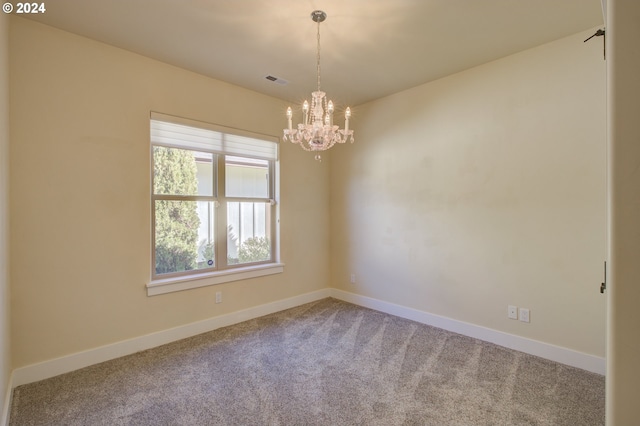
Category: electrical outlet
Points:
column 353, row 278
column 524, row 315
column 512, row 312
column 218, row 297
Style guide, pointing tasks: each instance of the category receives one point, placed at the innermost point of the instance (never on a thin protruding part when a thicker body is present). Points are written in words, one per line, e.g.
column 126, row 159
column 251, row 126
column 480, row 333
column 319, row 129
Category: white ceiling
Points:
column 370, row 48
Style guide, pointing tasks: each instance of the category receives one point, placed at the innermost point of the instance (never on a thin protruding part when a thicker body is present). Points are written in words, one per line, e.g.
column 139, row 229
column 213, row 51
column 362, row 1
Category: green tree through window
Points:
column 176, row 222
column 255, row 249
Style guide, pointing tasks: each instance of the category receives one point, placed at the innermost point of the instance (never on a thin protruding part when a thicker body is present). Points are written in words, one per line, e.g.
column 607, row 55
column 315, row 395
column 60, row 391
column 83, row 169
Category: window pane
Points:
column 182, row 172
column 248, row 232
column 246, row 177
column 184, row 235
column 206, row 237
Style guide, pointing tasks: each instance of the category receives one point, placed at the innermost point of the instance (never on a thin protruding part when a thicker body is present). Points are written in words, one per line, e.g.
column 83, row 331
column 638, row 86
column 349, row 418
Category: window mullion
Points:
column 248, row 200
column 221, row 215
column 157, row 197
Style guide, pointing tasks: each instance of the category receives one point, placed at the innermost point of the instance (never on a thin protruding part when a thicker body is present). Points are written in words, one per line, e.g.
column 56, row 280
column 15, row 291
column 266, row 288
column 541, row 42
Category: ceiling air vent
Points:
column 276, row 80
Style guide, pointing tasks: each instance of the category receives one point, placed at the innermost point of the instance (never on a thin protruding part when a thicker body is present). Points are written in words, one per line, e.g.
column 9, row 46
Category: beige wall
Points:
column 623, row 333
column 483, row 189
column 80, row 204
column 5, row 344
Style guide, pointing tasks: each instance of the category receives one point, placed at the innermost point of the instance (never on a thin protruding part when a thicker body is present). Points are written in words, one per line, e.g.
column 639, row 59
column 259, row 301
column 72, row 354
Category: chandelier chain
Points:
column 318, row 56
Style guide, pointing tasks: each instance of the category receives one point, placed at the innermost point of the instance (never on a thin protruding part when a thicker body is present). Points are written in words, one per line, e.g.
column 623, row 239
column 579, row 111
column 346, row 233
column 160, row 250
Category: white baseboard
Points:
column 65, row 364
column 6, row 407
column 44, row 370
column 544, row 350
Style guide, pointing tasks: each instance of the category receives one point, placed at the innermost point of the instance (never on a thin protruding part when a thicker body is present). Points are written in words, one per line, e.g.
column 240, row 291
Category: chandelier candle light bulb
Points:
column 347, row 114
column 321, row 134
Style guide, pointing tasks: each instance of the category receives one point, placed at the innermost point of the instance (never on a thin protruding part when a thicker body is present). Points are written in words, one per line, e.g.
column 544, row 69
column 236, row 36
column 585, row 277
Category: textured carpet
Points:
column 324, row 363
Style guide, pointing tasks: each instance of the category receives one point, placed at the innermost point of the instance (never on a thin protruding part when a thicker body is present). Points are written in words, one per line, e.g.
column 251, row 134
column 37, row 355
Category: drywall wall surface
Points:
column 5, row 341
column 80, row 201
column 623, row 332
column 481, row 190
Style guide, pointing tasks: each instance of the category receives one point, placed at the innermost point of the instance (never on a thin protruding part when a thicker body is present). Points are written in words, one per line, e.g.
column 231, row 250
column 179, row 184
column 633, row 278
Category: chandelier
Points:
column 317, row 131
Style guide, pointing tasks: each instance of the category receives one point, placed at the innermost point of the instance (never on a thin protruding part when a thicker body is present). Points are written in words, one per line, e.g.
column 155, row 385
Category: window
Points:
column 213, row 204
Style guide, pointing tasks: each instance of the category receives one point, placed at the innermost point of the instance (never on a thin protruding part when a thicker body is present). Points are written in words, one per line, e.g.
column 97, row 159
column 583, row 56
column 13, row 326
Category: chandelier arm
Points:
column 298, row 139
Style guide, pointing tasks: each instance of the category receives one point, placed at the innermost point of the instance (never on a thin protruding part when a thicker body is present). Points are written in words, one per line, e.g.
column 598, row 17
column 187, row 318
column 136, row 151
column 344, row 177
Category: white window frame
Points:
column 232, row 142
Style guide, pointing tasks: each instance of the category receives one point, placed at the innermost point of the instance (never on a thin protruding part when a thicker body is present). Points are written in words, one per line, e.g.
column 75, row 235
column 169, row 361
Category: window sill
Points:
column 170, row 285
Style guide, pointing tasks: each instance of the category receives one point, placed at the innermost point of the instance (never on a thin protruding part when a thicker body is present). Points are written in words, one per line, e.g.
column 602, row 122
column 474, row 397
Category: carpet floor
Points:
column 323, row 363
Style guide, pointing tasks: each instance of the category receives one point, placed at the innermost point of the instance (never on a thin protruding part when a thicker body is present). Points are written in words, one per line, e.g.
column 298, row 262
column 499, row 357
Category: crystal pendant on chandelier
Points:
column 317, row 131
